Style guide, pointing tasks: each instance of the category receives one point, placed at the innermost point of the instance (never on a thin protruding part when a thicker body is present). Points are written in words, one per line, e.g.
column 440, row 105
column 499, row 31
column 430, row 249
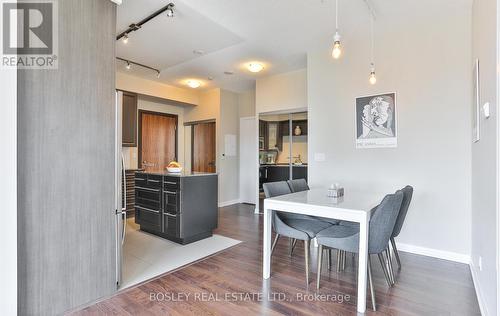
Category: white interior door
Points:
column 248, row 159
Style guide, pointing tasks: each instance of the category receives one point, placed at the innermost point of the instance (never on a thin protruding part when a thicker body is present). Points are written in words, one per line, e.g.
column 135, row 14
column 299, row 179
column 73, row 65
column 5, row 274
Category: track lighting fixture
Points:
column 129, row 63
column 125, row 39
column 169, row 9
column 337, row 46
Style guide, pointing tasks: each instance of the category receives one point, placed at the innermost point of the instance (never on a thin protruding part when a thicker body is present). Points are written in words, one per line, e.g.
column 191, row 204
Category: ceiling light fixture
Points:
column 125, row 39
column 255, row 67
column 373, row 77
column 337, row 46
column 129, row 63
column 169, row 9
column 158, row 75
column 193, row 83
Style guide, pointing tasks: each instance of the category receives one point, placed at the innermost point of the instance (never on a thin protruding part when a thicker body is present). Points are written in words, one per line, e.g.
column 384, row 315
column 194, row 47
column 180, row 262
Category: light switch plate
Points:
column 486, row 110
column 319, row 157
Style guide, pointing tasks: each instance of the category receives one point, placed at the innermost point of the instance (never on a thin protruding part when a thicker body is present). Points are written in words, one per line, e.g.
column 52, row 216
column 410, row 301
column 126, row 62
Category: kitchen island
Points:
column 181, row 207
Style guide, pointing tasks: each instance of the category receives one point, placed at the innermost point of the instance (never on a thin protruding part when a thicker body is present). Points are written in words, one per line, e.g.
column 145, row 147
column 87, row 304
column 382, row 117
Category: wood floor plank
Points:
column 425, row 286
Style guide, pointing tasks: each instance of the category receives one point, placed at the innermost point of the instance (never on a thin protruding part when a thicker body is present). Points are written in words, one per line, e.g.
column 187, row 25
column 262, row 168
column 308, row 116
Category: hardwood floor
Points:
column 424, row 286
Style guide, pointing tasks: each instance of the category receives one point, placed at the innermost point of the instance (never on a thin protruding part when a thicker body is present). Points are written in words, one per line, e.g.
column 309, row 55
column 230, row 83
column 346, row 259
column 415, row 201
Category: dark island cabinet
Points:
column 182, row 208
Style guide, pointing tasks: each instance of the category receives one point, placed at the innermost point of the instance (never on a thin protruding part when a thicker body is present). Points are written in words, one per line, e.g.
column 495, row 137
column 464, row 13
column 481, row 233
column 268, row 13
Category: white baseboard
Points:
column 480, row 298
column 227, row 203
column 435, row 253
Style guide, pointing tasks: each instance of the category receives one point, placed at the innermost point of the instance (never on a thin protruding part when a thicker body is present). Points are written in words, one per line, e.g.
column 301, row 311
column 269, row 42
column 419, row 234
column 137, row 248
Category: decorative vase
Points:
column 298, row 131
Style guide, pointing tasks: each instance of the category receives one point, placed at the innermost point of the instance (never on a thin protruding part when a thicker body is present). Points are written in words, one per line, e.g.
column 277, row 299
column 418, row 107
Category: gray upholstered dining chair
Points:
column 346, row 238
column 298, row 185
column 290, row 225
column 405, row 205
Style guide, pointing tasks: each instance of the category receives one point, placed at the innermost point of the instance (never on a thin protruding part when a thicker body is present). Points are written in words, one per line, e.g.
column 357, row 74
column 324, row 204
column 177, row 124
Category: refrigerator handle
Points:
column 124, row 206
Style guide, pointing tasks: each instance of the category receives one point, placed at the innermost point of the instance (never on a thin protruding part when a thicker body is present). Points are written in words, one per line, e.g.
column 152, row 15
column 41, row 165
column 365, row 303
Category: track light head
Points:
column 158, row 75
column 128, row 66
column 125, row 39
column 170, row 10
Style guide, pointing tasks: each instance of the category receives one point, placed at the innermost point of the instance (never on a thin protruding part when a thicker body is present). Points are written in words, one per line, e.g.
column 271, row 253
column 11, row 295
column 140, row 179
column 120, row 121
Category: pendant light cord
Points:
column 372, row 41
column 336, row 15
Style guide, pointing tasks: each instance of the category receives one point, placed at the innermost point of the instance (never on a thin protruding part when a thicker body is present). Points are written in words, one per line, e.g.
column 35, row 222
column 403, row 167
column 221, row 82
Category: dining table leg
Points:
column 266, row 268
column 362, row 264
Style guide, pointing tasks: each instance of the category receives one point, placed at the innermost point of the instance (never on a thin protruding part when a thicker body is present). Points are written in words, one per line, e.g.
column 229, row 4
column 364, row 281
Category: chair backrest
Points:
column 407, row 195
column 383, row 220
column 298, row 185
column 272, row 189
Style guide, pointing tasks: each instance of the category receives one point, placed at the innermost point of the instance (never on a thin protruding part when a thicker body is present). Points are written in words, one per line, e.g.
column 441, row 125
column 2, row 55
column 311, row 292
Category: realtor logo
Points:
column 29, row 34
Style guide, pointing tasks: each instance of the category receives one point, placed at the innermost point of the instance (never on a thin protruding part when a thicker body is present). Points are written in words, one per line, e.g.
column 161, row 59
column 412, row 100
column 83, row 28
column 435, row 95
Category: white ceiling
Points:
column 277, row 33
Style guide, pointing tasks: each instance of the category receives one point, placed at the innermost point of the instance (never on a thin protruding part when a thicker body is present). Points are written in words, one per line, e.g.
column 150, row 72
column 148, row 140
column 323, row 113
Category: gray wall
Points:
column 66, row 166
column 433, row 85
column 485, row 159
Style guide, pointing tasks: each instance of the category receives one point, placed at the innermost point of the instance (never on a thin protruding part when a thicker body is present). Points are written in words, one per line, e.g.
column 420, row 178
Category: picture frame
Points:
column 376, row 121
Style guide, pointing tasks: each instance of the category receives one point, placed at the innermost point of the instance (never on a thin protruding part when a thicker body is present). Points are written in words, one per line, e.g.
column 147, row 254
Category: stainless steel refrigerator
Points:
column 120, row 189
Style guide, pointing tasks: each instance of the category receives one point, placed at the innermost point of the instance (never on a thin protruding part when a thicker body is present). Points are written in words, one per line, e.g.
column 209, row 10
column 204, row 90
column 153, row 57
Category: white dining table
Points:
column 354, row 206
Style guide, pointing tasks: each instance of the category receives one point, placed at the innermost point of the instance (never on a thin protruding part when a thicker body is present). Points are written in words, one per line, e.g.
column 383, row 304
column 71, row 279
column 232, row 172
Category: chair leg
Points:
column 274, row 243
column 329, row 258
column 339, row 255
column 389, row 265
column 372, row 289
column 396, row 253
column 382, row 263
column 294, row 242
column 320, row 257
column 306, row 257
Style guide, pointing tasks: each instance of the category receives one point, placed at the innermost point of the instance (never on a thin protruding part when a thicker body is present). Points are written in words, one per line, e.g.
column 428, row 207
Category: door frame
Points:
column 139, row 131
column 193, row 124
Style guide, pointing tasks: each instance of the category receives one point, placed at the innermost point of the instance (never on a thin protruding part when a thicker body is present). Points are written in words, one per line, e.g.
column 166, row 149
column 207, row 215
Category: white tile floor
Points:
column 146, row 256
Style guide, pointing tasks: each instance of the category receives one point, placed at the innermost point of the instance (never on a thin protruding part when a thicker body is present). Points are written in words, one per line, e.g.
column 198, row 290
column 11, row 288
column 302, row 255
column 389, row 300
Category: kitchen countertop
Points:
column 179, row 174
column 282, row 165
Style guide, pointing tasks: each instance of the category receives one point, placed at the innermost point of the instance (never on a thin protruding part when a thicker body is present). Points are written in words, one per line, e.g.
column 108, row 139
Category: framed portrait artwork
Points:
column 376, row 121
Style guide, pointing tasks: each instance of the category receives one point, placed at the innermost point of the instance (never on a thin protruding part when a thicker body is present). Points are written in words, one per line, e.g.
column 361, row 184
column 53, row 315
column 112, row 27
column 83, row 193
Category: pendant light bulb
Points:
column 373, row 77
column 337, row 46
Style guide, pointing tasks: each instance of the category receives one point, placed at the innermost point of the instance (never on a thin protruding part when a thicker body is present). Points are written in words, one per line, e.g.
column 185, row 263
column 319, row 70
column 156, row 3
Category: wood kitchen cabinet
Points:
column 129, row 120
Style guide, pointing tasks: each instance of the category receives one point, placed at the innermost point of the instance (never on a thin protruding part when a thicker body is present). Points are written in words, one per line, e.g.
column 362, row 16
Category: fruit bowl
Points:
column 174, row 169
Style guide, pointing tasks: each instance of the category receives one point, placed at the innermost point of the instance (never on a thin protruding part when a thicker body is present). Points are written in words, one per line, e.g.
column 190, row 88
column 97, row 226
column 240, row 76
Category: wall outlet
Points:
column 480, row 263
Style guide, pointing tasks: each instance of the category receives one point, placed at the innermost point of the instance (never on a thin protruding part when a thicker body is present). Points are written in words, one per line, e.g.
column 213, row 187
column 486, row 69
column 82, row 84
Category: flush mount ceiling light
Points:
column 255, row 67
column 169, row 9
column 337, row 46
column 193, row 83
